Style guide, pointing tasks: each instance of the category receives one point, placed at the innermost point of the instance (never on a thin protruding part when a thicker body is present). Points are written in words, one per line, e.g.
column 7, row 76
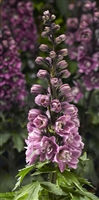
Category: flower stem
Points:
column 52, row 180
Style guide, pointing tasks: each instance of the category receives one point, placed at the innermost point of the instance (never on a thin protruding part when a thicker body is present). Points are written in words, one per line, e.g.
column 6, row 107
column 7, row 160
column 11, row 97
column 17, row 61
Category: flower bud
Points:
column 33, row 113
column 64, row 74
column 60, row 39
column 36, row 89
column 42, row 100
column 46, row 12
column 55, row 105
column 44, row 47
column 55, row 26
column 44, row 34
column 42, row 74
column 63, row 52
column 47, row 29
column 53, row 17
column 39, row 60
column 54, row 82
column 62, row 64
column 59, row 58
column 52, row 54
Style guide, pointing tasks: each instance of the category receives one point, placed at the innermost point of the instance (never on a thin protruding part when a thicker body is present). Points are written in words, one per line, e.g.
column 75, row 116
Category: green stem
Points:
column 52, row 180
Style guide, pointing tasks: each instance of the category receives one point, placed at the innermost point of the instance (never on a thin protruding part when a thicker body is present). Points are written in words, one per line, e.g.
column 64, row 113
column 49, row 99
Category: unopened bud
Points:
column 53, row 17
column 46, row 12
column 63, row 52
column 43, row 17
column 42, row 74
column 44, row 47
column 54, row 82
column 47, row 29
column 60, row 39
column 52, row 54
column 36, row 89
column 44, row 34
column 55, row 26
column 39, row 60
column 59, row 58
column 63, row 37
column 62, row 64
column 64, row 74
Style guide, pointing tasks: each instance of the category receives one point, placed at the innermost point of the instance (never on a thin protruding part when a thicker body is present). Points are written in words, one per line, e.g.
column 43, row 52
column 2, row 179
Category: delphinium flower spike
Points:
column 82, row 38
column 12, row 81
column 18, row 15
column 53, row 133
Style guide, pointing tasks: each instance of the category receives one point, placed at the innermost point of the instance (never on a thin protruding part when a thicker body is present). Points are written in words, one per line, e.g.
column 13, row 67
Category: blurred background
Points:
column 20, row 36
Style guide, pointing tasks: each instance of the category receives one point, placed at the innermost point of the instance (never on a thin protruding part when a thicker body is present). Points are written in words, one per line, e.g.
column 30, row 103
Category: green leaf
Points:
column 7, row 196
column 18, row 142
column 84, row 198
column 53, row 188
column 45, row 168
column 91, row 196
column 29, row 192
column 75, row 197
column 41, row 164
column 22, row 173
column 71, row 178
column 4, row 138
column 84, row 157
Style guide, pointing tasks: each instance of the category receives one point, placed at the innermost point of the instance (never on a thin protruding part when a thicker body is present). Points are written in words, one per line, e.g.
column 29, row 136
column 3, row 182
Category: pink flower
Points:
column 66, row 156
column 63, row 125
column 48, row 148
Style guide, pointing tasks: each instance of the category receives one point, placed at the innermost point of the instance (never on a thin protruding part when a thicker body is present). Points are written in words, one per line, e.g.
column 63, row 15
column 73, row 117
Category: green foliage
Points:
column 68, row 185
column 22, row 173
column 7, row 196
column 29, row 192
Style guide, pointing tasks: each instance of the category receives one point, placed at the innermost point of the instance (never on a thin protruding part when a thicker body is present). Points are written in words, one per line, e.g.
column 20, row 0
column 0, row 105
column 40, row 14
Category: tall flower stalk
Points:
column 53, row 133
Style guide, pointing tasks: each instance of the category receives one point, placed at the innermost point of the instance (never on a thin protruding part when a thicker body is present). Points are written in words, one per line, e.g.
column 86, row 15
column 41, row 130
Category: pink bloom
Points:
column 48, row 148
column 66, row 156
column 63, row 125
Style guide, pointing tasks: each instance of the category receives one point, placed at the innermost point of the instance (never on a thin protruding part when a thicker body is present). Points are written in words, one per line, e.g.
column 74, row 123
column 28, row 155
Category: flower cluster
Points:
column 82, row 38
column 53, row 132
column 18, row 15
column 11, row 77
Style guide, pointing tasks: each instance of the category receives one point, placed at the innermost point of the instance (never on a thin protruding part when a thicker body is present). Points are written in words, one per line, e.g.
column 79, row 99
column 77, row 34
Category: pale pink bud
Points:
column 36, row 89
column 60, row 39
column 62, row 64
column 39, row 60
column 53, row 17
column 42, row 74
column 47, row 29
column 63, row 52
column 52, row 54
column 64, row 74
column 44, row 47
